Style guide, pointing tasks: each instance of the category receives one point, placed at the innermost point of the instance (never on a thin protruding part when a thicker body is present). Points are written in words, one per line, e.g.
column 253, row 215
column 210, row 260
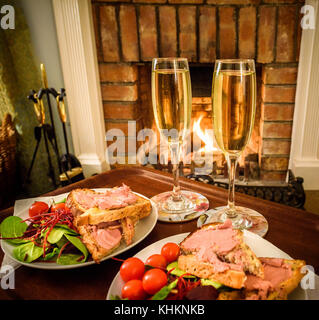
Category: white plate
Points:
column 260, row 246
column 142, row 229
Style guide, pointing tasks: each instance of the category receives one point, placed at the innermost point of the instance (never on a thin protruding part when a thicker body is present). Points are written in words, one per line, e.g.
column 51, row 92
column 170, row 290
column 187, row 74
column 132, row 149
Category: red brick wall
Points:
column 278, row 96
column 131, row 32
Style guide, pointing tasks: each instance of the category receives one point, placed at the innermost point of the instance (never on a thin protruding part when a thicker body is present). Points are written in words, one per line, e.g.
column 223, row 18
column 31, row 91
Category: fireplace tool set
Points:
column 69, row 167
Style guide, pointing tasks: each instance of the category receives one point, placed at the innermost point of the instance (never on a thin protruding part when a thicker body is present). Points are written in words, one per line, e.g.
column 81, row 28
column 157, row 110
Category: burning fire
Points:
column 204, row 136
column 200, row 137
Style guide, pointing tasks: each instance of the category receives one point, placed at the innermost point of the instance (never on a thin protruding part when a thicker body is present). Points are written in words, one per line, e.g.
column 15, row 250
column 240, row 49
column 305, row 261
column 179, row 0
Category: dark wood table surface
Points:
column 292, row 230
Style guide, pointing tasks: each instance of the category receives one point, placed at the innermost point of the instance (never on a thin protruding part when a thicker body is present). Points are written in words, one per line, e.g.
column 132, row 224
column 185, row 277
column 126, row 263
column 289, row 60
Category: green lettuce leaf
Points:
column 62, row 242
column 51, row 255
column 62, row 201
column 208, row 282
column 67, row 229
column 27, row 252
column 55, row 235
column 165, row 291
column 69, row 258
column 13, row 227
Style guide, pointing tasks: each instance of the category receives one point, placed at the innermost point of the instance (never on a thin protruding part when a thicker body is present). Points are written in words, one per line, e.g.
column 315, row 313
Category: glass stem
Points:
column 232, row 164
column 175, row 152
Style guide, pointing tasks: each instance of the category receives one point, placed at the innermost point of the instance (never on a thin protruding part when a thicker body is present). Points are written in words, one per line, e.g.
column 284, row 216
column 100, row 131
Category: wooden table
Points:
column 294, row 231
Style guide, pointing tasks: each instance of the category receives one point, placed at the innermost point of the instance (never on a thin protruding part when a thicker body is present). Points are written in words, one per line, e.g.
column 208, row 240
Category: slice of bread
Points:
column 289, row 285
column 241, row 255
column 140, row 209
column 281, row 292
column 231, row 278
column 128, row 228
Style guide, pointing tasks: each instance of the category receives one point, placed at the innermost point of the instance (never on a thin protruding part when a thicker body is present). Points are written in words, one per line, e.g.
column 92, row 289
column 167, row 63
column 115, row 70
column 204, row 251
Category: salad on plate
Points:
column 159, row 278
column 47, row 235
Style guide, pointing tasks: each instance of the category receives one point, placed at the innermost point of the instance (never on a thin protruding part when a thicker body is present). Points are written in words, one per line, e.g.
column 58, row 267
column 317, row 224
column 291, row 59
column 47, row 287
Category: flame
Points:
column 204, row 136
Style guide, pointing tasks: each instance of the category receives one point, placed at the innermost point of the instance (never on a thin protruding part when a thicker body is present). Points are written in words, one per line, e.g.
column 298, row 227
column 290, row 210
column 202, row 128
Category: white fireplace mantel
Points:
column 304, row 157
column 76, row 40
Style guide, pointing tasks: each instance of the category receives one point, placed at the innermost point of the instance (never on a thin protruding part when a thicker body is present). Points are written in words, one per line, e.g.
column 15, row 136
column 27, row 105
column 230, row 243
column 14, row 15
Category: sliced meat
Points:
column 107, row 238
column 212, row 244
column 80, row 200
column 100, row 242
column 223, row 247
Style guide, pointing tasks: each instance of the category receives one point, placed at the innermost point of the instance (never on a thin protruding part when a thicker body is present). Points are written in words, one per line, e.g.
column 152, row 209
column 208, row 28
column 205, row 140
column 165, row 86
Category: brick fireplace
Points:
column 129, row 33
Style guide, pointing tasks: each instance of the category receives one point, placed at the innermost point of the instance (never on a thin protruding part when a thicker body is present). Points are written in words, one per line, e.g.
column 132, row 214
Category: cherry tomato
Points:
column 132, row 268
column 38, row 208
column 170, row 251
column 133, row 290
column 156, row 261
column 154, row 280
column 58, row 206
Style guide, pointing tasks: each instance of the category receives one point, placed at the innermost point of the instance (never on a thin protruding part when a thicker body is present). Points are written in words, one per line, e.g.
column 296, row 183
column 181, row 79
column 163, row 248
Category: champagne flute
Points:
column 234, row 107
column 172, row 106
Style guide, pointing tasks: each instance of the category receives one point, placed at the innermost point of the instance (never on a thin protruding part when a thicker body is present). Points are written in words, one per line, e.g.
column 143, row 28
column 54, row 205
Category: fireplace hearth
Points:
column 291, row 193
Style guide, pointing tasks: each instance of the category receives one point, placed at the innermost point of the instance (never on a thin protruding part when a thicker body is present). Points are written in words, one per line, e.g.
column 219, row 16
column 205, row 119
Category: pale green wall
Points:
column 21, row 52
column 40, row 19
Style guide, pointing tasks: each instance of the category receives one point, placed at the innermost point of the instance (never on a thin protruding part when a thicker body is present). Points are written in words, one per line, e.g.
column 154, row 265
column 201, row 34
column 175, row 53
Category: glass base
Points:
column 245, row 218
column 191, row 206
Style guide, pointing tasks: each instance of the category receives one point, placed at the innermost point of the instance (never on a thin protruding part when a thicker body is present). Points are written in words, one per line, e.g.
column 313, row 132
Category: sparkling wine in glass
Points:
column 172, row 106
column 234, row 107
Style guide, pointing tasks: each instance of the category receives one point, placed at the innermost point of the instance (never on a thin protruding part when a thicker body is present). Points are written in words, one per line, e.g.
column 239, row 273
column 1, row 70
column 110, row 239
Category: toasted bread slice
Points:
column 231, row 278
column 292, row 283
column 281, row 292
column 140, row 209
column 127, row 218
column 240, row 255
column 128, row 228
